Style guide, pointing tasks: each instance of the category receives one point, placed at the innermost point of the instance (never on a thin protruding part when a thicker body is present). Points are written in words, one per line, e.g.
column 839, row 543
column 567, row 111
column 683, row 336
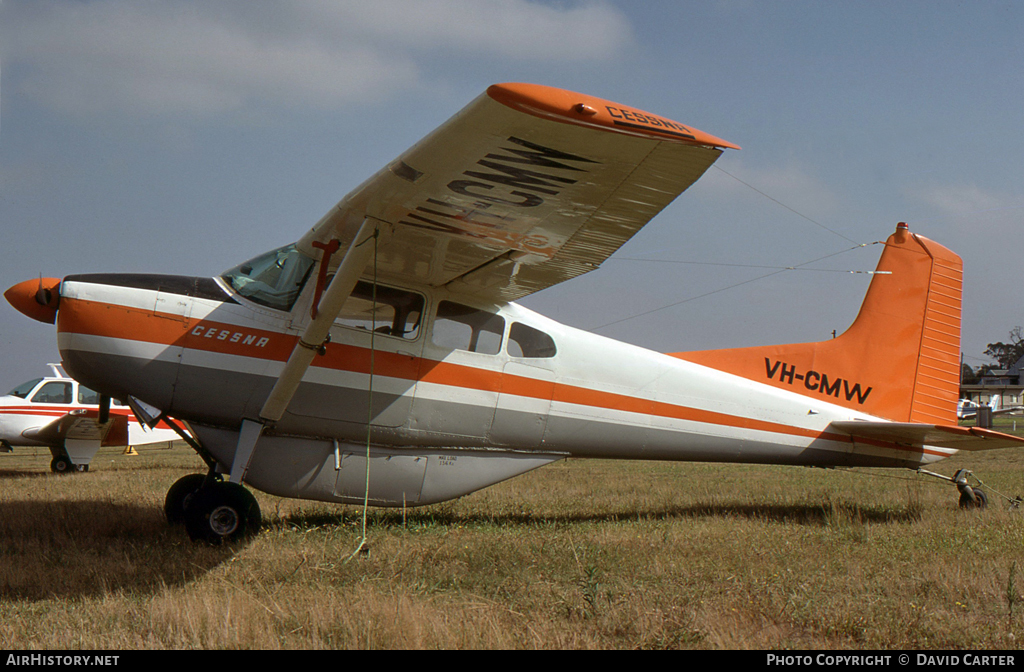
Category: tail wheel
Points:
column 220, row 512
column 979, row 501
column 179, row 495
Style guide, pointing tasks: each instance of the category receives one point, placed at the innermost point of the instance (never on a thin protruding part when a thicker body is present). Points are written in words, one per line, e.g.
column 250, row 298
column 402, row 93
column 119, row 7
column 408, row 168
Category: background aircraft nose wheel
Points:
column 179, row 495
column 220, row 512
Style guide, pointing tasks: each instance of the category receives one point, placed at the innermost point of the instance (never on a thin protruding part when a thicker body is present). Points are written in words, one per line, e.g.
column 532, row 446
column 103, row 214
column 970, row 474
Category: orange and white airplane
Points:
column 389, row 331
column 57, row 412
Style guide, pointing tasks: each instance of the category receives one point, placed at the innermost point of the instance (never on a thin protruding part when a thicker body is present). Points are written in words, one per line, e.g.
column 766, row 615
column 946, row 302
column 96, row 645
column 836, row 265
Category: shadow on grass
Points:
column 823, row 514
column 77, row 548
column 17, row 473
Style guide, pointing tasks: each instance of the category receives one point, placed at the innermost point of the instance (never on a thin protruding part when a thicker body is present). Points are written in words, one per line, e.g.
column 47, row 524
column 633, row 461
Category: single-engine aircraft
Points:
column 382, row 355
column 57, row 412
column 967, row 409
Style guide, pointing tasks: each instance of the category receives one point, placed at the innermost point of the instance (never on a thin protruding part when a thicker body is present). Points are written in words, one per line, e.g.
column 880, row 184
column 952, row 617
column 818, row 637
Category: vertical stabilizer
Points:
column 898, row 360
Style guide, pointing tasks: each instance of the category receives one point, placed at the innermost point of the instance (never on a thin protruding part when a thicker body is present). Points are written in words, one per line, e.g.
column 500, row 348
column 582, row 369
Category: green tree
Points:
column 1007, row 354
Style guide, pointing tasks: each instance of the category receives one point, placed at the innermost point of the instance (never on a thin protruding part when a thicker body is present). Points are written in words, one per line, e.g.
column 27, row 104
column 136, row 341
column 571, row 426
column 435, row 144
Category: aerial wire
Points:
column 781, row 269
column 778, row 202
column 369, row 400
column 778, row 269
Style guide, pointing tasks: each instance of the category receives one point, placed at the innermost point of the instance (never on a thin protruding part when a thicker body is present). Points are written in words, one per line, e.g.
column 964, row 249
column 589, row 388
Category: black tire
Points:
column 980, row 500
column 220, row 512
column 61, row 465
column 179, row 495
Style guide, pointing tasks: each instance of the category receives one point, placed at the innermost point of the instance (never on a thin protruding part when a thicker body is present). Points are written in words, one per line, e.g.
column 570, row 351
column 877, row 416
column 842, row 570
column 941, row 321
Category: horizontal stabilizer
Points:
column 919, row 434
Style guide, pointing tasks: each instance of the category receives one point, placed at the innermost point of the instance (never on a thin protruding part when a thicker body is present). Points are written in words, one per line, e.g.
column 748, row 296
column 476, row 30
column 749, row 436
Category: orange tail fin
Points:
column 900, row 359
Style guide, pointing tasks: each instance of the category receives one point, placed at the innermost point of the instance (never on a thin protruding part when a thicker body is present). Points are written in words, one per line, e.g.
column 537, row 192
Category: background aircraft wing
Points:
column 526, row 187
column 83, row 425
column 919, row 434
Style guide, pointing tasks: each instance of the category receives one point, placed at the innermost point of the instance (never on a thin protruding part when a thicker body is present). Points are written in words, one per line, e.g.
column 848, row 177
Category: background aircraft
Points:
column 967, row 409
column 382, row 357
column 58, row 412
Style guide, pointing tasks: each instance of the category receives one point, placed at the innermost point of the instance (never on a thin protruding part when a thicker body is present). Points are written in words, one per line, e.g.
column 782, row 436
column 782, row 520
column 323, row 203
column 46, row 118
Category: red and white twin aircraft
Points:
column 59, row 413
column 382, row 355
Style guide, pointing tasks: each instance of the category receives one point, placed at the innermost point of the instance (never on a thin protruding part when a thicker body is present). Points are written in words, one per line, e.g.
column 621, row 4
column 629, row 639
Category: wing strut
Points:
column 316, row 334
column 359, row 253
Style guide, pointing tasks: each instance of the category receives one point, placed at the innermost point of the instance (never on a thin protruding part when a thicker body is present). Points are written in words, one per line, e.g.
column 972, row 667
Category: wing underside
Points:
column 524, row 188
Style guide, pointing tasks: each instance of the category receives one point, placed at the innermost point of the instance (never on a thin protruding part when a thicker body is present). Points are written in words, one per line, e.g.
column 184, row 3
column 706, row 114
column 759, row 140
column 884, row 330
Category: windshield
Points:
column 23, row 389
column 273, row 279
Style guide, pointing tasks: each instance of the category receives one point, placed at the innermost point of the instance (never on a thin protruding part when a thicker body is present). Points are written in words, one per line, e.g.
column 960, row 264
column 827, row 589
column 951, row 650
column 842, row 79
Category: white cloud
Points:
column 960, row 200
column 209, row 57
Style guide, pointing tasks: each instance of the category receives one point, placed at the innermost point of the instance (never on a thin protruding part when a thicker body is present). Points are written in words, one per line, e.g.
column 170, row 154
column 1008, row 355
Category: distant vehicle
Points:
column 58, row 412
column 967, row 409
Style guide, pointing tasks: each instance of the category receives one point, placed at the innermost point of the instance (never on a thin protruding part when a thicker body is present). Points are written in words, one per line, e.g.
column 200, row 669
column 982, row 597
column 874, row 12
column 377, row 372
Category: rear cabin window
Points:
column 460, row 327
column 525, row 341
column 53, row 393
column 392, row 312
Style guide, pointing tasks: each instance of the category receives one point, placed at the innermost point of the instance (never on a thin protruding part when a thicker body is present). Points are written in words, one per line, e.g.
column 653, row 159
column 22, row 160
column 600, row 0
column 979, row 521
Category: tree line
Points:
column 1004, row 354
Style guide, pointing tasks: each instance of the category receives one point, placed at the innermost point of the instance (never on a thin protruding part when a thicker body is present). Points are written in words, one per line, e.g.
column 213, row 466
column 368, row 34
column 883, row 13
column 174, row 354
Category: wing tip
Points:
column 576, row 108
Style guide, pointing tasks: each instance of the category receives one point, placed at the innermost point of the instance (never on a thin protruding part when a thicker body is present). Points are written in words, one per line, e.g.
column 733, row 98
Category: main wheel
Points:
column 61, row 465
column 980, row 500
column 179, row 495
column 220, row 512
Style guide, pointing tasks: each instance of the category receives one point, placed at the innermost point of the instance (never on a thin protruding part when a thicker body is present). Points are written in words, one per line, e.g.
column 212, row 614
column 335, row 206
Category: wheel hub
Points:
column 224, row 520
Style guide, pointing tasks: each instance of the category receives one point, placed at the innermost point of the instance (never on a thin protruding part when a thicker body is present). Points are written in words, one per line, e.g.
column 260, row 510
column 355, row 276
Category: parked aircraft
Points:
column 58, row 412
column 382, row 355
column 967, row 409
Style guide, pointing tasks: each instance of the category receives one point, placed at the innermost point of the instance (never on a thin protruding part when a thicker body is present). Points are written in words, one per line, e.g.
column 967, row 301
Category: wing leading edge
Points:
column 526, row 187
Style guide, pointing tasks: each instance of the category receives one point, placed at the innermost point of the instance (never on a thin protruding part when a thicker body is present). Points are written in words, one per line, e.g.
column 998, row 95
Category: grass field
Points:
column 580, row 554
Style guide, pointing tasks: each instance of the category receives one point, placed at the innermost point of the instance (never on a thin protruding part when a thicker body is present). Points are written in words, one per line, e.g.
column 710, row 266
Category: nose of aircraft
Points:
column 36, row 298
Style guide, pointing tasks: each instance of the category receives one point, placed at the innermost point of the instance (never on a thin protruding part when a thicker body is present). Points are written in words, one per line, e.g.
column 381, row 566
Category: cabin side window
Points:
column 87, row 396
column 389, row 311
column 459, row 327
column 525, row 341
column 53, row 393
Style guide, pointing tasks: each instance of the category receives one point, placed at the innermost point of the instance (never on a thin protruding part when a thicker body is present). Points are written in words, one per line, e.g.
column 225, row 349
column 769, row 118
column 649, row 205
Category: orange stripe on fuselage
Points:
column 114, row 321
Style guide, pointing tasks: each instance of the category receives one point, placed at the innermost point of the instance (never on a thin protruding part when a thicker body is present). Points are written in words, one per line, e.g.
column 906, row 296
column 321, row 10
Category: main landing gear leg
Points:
column 212, row 510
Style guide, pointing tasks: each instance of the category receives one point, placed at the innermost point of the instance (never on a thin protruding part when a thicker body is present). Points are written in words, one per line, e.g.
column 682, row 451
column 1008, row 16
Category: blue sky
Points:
column 183, row 137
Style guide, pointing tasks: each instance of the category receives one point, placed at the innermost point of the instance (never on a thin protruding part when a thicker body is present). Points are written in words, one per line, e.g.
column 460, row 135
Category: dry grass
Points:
column 583, row 554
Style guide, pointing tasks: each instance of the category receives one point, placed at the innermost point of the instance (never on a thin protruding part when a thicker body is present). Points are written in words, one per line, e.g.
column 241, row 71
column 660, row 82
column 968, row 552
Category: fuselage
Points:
column 517, row 381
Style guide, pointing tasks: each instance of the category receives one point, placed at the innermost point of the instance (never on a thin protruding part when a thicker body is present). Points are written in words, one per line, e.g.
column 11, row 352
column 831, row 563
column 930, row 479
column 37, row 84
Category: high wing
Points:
column 919, row 434
column 526, row 187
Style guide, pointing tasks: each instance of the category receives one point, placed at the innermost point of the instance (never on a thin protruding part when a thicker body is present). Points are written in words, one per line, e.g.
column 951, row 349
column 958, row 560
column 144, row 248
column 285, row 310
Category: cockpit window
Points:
column 274, row 279
column 23, row 389
column 388, row 311
column 53, row 393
